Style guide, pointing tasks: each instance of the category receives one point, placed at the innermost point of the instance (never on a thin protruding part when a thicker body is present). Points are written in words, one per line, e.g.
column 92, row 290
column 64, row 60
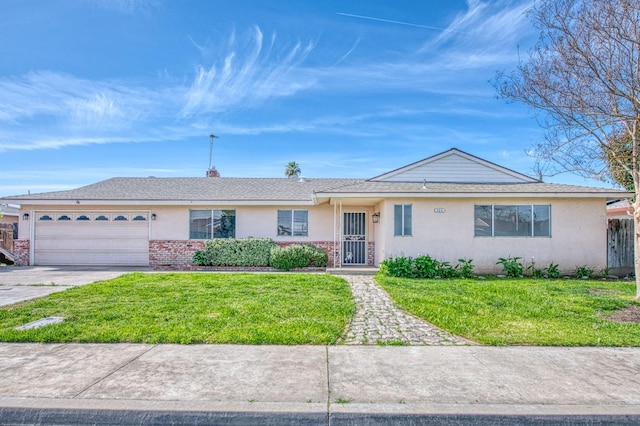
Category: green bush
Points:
column 238, row 252
column 401, row 267
column 425, row 267
column 584, row 271
column 297, row 256
column 465, row 268
column 200, row 258
column 552, row 271
column 512, row 266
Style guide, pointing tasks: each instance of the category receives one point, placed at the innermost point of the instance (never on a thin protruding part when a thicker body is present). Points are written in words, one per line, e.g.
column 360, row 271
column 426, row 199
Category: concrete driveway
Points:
column 19, row 283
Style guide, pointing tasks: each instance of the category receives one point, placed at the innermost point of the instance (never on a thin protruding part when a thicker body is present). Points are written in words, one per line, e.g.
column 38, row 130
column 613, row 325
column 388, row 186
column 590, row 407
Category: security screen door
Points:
column 354, row 239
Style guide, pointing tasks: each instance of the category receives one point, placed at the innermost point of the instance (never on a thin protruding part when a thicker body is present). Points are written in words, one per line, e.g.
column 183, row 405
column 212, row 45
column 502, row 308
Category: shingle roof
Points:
column 371, row 187
column 291, row 190
column 195, row 189
column 9, row 210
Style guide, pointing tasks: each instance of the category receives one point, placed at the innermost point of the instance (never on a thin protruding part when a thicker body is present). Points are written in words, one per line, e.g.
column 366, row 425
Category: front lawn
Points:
column 190, row 308
column 521, row 311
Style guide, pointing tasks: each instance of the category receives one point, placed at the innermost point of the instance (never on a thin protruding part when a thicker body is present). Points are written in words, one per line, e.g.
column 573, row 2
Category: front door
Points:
column 354, row 240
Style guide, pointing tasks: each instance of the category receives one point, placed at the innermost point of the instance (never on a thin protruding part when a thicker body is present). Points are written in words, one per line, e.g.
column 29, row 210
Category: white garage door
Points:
column 90, row 238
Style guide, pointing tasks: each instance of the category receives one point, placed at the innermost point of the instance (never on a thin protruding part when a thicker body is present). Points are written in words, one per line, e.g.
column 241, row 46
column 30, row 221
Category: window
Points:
column 293, row 222
column 402, row 220
column 45, row 217
column 512, row 221
column 64, row 217
column 120, row 217
column 206, row 224
column 140, row 217
column 102, row 217
column 83, row 217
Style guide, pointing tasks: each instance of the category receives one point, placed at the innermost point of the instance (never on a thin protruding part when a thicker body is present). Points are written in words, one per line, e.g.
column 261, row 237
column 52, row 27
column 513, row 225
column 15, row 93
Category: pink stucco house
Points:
column 451, row 205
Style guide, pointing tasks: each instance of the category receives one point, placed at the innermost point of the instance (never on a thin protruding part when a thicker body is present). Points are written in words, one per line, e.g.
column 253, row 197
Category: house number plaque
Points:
column 438, row 210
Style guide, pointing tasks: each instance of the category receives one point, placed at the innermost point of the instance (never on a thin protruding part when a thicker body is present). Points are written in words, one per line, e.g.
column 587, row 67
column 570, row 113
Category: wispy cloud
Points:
column 486, row 22
column 49, row 110
column 127, row 7
column 249, row 79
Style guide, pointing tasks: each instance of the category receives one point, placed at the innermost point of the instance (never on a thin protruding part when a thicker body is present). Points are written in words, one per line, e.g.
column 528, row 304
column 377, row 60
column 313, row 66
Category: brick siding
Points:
column 173, row 252
column 21, row 250
column 179, row 253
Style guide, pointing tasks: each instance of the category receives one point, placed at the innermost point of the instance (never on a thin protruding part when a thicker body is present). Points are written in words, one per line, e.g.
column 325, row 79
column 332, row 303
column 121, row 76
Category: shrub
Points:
column 425, row 267
column 401, row 267
column 200, row 258
column 552, row 271
column 512, row 266
column 297, row 256
column 238, row 252
column 465, row 268
column 584, row 271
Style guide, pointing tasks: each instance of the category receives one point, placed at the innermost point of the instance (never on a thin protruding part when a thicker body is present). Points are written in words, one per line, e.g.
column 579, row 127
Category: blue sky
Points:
column 92, row 89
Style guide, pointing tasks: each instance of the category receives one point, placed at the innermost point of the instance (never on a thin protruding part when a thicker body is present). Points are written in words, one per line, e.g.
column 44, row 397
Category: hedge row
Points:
column 250, row 252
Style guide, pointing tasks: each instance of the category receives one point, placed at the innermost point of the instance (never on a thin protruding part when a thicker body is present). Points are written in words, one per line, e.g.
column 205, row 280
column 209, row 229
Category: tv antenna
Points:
column 211, row 138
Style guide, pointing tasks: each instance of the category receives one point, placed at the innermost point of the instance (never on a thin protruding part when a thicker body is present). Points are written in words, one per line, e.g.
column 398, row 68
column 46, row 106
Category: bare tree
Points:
column 583, row 78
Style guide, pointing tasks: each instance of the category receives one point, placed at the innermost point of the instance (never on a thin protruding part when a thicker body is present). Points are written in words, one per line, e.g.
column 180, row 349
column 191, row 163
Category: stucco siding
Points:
column 172, row 223
column 578, row 235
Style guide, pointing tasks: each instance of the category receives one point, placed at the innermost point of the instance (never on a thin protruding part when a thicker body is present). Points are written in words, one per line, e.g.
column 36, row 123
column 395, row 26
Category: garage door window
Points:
column 102, row 217
column 64, row 217
column 120, row 217
column 83, row 217
column 45, row 217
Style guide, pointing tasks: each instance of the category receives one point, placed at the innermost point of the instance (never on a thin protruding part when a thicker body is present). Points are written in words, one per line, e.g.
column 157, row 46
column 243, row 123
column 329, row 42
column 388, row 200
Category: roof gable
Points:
column 454, row 166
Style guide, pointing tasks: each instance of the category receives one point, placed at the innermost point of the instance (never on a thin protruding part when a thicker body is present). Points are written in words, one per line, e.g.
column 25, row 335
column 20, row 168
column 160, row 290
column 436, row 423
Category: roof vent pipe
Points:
column 424, row 184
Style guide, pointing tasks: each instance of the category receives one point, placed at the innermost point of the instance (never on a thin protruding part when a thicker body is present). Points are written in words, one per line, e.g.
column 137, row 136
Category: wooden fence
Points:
column 620, row 253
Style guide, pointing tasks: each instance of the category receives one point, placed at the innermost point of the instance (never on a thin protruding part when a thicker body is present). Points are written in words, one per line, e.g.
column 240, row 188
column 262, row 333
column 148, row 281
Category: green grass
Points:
column 190, row 308
column 521, row 311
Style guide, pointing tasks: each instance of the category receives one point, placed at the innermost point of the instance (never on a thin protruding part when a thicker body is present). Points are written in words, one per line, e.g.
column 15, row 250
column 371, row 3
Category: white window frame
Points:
column 532, row 223
column 403, row 215
column 304, row 233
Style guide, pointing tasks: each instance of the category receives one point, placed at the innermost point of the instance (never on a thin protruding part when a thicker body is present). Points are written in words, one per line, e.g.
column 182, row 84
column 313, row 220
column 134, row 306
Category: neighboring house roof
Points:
column 620, row 207
column 6, row 210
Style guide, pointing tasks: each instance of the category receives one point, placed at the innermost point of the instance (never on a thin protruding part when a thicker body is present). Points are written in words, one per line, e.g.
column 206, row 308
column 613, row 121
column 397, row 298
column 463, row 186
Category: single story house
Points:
column 620, row 209
column 8, row 230
column 452, row 205
column 9, row 214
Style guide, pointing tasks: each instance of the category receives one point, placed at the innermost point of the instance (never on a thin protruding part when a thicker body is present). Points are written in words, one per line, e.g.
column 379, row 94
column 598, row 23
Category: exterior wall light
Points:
column 153, row 216
column 25, row 216
column 375, row 217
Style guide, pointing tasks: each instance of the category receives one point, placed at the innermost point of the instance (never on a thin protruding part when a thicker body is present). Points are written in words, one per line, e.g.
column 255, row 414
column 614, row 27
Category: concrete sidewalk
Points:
column 230, row 384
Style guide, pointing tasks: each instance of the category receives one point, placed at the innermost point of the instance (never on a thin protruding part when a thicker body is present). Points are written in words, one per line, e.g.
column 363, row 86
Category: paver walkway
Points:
column 379, row 321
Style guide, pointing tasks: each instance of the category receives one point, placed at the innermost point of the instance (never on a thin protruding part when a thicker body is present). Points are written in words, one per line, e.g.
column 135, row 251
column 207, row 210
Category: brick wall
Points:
column 21, row 251
column 179, row 253
column 173, row 252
